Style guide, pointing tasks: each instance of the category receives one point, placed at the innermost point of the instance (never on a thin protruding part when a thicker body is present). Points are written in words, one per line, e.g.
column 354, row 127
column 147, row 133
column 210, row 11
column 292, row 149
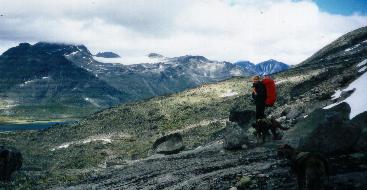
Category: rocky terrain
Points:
column 113, row 149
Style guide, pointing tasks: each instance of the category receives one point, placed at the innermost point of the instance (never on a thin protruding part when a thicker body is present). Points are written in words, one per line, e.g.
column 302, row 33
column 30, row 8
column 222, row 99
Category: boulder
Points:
column 361, row 121
column 334, row 135
column 10, row 161
column 305, row 126
column 293, row 111
column 234, row 136
column 169, row 144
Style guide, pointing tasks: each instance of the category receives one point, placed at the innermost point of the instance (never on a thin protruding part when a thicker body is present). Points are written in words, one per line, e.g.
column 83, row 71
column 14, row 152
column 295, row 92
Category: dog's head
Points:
column 285, row 151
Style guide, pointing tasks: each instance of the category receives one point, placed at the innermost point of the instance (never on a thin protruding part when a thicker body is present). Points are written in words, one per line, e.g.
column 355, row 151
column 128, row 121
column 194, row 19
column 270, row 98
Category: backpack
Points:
column 271, row 93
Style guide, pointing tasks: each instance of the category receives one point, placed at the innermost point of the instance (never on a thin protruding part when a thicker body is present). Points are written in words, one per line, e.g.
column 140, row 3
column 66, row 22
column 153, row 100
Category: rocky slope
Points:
column 112, row 149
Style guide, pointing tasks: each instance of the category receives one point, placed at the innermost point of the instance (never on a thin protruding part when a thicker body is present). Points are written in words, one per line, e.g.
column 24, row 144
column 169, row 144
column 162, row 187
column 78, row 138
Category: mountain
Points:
column 146, row 80
column 39, row 80
column 155, row 55
column 107, row 55
column 62, row 80
column 113, row 148
column 247, row 65
column 270, row 66
column 267, row 67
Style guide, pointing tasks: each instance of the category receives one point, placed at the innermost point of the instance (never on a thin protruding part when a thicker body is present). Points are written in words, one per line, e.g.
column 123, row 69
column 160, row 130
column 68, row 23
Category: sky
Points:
column 225, row 30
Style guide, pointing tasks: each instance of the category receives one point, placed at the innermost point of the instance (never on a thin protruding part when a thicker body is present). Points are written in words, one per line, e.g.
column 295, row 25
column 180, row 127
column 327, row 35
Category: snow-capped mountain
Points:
column 271, row 66
column 267, row 67
column 68, row 76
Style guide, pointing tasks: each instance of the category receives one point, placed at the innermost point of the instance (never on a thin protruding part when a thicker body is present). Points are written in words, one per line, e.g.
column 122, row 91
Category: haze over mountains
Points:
column 65, row 80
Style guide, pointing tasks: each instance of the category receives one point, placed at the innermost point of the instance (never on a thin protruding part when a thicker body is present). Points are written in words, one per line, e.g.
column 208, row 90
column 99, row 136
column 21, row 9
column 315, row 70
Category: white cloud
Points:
column 255, row 30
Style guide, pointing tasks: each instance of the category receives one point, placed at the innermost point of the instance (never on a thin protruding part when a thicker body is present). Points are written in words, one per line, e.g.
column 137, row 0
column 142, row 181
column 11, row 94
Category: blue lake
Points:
column 28, row 126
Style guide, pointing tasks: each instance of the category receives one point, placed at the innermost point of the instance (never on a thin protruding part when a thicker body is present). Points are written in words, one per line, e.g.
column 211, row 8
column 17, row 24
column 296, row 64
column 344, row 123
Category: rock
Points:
column 361, row 145
column 293, row 112
column 305, row 126
column 281, row 119
column 233, row 188
column 361, row 120
column 243, row 117
column 170, row 144
column 10, row 161
column 234, row 136
column 334, row 135
column 243, row 183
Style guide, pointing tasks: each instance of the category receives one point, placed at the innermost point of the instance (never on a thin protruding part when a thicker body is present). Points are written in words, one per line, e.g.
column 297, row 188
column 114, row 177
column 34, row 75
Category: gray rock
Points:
column 361, row 121
column 333, row 136
column 293, row 112
column 305, row 126
column 234, row 136
column 170, row 144
column 10, row 161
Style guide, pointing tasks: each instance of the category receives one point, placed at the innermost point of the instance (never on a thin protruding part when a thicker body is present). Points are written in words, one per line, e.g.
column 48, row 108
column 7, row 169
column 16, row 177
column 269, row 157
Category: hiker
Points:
column 259, row 95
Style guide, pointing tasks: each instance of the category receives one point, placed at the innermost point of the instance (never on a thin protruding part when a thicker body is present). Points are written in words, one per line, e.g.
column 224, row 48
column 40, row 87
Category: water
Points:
column 28, row 126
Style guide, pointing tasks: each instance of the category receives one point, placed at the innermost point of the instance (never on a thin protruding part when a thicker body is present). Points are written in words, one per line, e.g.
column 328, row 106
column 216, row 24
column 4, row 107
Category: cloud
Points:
column 230, row 30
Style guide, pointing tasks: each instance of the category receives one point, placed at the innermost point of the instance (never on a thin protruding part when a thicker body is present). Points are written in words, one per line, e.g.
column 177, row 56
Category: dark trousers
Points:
column 260, row 109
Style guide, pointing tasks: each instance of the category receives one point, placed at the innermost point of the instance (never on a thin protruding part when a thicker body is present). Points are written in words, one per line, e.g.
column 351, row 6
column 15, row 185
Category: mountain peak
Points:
column 155, row 55
column 107, row 54
column 190, row 58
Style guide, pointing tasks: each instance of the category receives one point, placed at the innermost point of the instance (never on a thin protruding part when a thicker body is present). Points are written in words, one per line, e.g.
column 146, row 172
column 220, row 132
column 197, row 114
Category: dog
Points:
column 262, row 127
column 311, row 169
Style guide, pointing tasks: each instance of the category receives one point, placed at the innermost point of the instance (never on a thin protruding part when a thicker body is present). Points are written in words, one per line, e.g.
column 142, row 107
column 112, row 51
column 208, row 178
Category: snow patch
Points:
column 72, row 53
column 92, row 101
column 129, row 60
column 362, row 69
column 351, row 48
column 236, row 72
column 104, row 139
column 357, row 100
column 337, row 94
column 228, row 94
column 362, row 63
column 27, row 83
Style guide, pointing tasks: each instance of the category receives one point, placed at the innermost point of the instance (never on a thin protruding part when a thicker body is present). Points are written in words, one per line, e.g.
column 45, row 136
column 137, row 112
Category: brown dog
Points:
column 262, row 127
column 311, row 169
